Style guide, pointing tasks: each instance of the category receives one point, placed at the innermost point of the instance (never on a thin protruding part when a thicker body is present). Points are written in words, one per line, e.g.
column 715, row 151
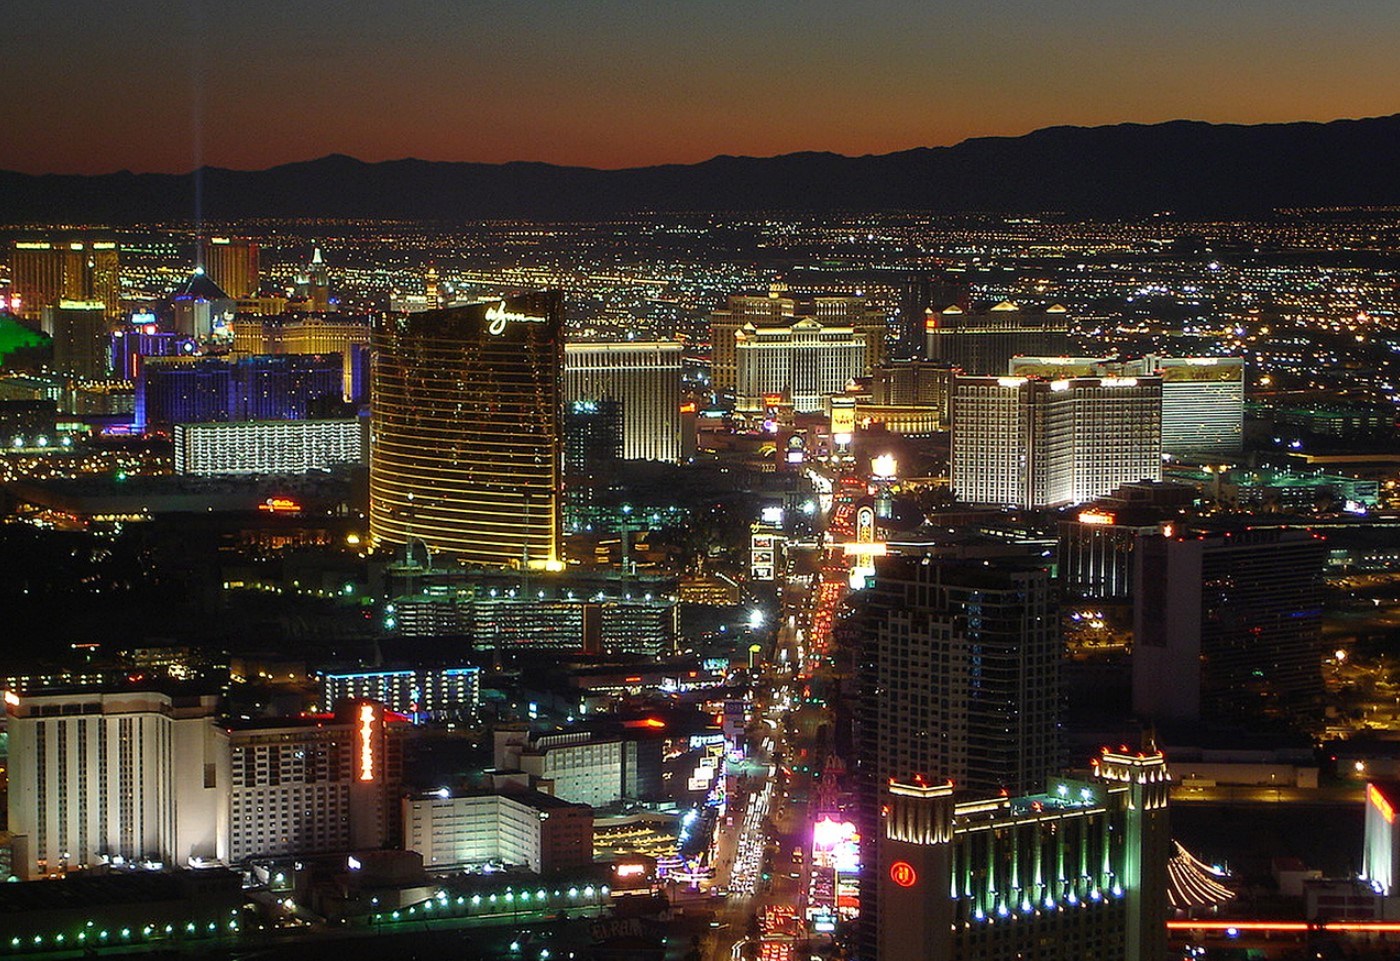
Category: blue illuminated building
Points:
column 191, row 390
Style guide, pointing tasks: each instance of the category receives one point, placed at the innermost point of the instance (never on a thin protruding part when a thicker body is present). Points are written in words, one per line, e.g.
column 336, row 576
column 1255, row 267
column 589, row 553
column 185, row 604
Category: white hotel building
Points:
column 268, row 446
column 807, row 362
column 1202, row 397
column 115, row 778
column 1032, row 442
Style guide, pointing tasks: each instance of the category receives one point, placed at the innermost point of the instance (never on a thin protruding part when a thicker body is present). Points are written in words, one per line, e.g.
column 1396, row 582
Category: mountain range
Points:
column 1187, row 167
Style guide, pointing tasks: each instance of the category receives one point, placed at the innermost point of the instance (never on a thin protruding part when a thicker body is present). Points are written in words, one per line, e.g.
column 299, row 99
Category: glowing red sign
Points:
column 903, row 874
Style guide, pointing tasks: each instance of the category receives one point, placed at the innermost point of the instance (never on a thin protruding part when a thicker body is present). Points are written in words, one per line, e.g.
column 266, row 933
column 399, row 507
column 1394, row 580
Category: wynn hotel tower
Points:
column 465, row 450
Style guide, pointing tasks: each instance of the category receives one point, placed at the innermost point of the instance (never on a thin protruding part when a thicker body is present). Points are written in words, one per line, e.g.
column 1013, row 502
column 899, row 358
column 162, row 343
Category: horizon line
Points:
column 336, row 154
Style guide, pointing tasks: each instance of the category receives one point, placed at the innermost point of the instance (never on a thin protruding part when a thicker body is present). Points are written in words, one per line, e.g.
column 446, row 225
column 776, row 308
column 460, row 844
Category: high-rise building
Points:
column 268, row 446
column 231, row 263
column 981, row 342
column 105, row 778
column 466, row 440
column 961, row 673
column 313, row 283
column 1202, row 403
column 1227, row 626
column 1098, row 545
column 924, row 294
column 315, row 784
column 1202, row 397
column 959, row 677
column 592, row 441
column 778, row 309
column 36, row 276
column 43, row 273
column 645, row 378
column 183, row 390
column 1030, row 442
column 805, row 363
column 319, row 277
column 80, row 338
column 1078, row 871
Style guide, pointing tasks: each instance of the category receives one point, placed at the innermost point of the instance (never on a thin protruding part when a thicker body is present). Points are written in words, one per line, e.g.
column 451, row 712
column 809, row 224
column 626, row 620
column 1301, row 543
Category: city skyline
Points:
column 615, row 87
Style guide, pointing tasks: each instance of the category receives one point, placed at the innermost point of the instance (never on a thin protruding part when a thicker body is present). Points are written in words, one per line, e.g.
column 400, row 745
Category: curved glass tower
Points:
column 465, row 451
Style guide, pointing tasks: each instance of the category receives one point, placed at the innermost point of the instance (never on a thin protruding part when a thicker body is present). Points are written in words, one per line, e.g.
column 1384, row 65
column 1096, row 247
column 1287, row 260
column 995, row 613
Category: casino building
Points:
column 465, row 447
column 1078, row 872
column 316, row 785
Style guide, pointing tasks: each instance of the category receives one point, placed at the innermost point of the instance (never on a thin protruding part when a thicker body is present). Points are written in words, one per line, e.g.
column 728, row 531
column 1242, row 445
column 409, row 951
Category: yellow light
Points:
column 1377, row 799
column 884, row 466
column 366, row 742
column 1096, row 517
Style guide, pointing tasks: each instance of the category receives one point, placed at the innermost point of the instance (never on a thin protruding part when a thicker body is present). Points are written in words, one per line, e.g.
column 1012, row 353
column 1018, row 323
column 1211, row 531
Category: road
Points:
column 769, row 827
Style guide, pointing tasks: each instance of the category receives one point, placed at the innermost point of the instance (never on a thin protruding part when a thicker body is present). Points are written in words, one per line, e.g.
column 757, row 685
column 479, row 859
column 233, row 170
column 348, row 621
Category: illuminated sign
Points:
column 903, row 874
column 366, row 742
column 1378, row 800
column 629, row 870
column 279, row 505
column 865, row 525
column 884, row 466
column 497, row 317
column 1097, row 517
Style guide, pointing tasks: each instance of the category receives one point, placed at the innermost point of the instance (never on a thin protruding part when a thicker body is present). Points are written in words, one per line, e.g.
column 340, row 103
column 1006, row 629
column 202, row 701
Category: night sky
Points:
column 92, row 86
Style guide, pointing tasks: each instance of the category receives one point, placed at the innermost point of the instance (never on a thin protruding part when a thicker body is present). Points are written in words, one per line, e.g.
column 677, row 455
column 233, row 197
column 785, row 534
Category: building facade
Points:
column 268, row 447
column 188, row 390
column 960, row 673
column 466, row 447
column 1227, row 626
column 778, row 308
column 232, row 263
column 315, row 785
column 420, row 694
column 100, row 778
column 44, row 272
column 506, row 622
column 305, row 333
column 1076, row 873
column 982, row 341
column 645, row 378
column 80, row 338
column 524, row 828
column 804, row 363
column 1202, row 397
column 1031, row 442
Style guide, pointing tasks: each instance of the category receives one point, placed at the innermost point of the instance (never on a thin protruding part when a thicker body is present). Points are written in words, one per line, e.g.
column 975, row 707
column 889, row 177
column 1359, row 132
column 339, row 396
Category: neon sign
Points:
column 366, row 742
column 497, row 317
column 903, row 874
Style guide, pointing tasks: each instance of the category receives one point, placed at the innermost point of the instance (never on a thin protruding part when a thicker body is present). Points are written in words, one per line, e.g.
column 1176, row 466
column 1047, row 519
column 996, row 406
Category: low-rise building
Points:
column 527, row 828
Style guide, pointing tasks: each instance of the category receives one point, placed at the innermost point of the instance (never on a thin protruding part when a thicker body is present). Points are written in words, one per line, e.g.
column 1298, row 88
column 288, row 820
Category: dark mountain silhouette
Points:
column 1197, row 169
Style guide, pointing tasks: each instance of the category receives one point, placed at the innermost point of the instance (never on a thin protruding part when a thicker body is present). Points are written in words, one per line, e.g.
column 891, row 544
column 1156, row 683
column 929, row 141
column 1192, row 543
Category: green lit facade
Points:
column 1076, row 873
